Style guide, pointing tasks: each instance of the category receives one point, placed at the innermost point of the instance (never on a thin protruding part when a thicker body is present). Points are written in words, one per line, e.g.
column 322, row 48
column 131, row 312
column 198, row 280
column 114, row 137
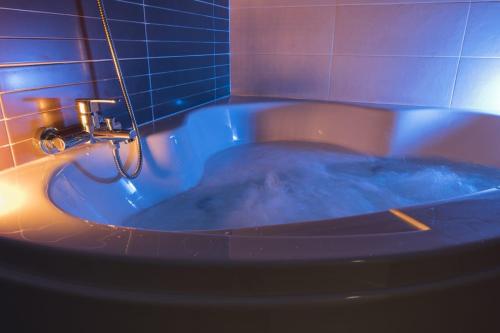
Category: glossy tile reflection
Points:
column 169, row 52
column 418, row 53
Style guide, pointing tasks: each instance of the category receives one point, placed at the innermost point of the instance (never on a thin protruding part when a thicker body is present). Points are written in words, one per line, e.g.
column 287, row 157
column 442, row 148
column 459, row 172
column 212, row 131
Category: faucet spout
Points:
column 114, row 135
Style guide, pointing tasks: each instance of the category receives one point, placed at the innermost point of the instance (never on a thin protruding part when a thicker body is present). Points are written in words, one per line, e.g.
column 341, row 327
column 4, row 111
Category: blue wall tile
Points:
column 174, row 55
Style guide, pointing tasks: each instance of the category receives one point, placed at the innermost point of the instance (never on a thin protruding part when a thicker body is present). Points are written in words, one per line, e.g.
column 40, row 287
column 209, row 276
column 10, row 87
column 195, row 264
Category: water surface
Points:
column 277, row 183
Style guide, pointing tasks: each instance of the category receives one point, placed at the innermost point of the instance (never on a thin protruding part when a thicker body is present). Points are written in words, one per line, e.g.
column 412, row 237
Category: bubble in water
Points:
column 277, row 183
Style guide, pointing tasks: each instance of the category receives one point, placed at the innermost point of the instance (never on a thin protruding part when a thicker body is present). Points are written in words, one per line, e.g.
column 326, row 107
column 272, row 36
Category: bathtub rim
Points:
column 442, row 238
column 70, row 281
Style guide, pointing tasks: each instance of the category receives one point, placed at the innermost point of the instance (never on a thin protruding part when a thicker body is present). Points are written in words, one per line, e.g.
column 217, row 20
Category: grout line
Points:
column 188, row 109
column 175, row 10
column 7, row 131
column 352, row 55
column 187, row 69
column 452, row 94
column 63, row 107
column 148, row 60
column 180, row 97
column 230, row 49
column 49, row 63
column 214, row 71
column 364, row 55
column 211, row 3
column 209, row 94
column 2, row 112
column 190, row 82
column 184, row 27
column 428, row 2
column 79, row 39
column 330, row 75
column 16, row 142
column 71, row 84
column 34, row 11
column 186, row 96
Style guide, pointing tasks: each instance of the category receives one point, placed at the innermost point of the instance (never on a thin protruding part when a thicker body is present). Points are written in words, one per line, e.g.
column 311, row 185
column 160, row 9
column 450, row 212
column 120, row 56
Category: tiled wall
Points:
column 442, row 53
column 175, row 55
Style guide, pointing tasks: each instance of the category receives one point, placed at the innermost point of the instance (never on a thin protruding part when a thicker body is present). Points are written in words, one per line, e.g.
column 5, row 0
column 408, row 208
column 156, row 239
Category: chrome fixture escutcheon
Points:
column 93, row 128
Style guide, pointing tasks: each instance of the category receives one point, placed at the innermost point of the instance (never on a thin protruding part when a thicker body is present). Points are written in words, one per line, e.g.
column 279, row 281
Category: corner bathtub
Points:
column 62, row 243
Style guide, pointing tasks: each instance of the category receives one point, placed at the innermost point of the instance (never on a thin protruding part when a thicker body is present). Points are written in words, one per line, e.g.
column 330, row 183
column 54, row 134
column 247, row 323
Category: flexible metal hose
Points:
column 116, row 152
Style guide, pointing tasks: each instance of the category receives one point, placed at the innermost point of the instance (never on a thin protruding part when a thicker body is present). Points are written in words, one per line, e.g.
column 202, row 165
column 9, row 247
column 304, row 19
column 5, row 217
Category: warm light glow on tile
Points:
column 42, row 105
column 11, row 198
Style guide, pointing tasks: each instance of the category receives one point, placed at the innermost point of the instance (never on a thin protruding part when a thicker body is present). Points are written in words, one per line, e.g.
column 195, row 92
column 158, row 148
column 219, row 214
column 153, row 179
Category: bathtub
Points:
column 63, row 246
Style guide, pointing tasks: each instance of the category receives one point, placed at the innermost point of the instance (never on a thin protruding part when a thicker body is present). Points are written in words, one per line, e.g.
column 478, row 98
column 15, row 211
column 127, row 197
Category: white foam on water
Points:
column 277, row 183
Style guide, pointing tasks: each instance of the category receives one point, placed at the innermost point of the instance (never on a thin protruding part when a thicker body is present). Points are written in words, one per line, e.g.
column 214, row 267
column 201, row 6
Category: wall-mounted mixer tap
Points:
column 93, row 128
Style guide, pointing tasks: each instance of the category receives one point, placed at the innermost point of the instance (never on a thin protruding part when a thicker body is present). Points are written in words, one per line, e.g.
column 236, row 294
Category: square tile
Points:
column 394, row 80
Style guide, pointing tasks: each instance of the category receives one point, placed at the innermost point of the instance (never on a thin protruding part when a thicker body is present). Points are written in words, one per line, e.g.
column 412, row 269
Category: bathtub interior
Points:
column 176, row 156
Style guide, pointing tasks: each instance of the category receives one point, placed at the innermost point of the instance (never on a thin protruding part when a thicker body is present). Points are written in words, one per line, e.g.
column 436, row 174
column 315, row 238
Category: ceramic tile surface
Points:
column 426, row 53
column 174, row 55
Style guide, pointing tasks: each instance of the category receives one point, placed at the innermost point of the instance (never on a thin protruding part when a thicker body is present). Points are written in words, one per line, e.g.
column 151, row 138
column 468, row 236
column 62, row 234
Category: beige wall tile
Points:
column 303, row 30
column 293, row 76
column 395, row 2
column 419, row 29
column 384, row 51
column 398, row 80
column 279, row 3
column 483, row 32
column 478, row 84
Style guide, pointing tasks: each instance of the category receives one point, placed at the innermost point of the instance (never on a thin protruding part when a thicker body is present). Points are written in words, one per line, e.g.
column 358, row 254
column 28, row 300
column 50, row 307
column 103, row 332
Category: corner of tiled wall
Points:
column 175, row 56
column 435, row 53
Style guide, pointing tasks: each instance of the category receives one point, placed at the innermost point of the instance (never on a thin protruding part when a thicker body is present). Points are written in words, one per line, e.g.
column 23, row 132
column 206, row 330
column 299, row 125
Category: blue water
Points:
column 276, row 183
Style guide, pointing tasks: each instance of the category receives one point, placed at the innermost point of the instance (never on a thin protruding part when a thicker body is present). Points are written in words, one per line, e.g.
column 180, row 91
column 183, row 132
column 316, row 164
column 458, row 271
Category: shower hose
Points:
column 116, row 146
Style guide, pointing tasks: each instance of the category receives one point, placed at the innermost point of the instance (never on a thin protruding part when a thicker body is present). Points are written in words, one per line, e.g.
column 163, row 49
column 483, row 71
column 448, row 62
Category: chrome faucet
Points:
column 93, row 128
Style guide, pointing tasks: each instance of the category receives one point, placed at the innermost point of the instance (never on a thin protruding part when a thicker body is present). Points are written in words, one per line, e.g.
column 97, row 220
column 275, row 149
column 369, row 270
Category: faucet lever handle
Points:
column 97, row 100
column 84, row 105
column 91, row 119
